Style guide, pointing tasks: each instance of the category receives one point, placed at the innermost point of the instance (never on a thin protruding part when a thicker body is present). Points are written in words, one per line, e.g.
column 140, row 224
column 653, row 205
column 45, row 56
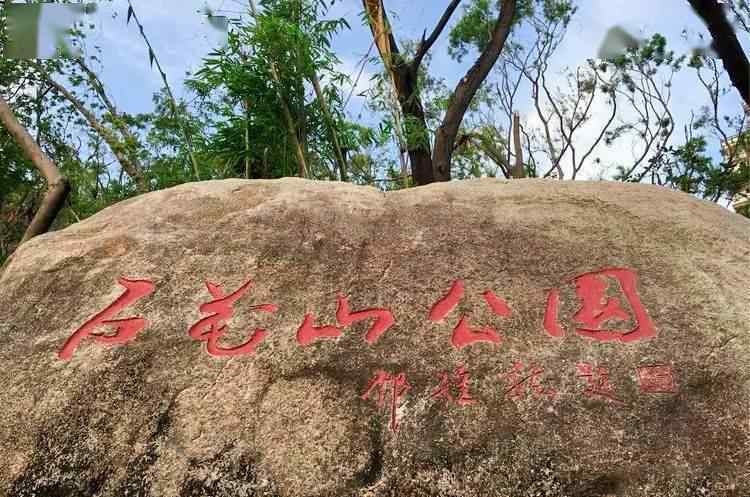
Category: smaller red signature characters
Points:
column 597, row 380
column 463, row 333
column 383, row 320
column 211, row 328
column 520, row 381
column 126, row 329
column 460, row 382
column 656, row 379
column 398, row 387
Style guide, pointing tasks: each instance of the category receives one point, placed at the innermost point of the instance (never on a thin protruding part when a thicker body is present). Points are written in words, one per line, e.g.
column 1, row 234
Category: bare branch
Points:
column 426, row 44
column 130, row 165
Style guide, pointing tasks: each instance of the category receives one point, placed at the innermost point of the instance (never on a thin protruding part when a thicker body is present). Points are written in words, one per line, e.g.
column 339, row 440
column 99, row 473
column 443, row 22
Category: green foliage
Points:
column 250, row 135
column 690, row 168
column 237, row 127
column 474, row 29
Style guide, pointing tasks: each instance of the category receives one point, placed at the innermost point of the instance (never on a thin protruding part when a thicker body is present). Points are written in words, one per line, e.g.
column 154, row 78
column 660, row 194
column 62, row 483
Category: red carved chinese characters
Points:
column 211, row 328
column 463, row 334
column 308, row 333
column 656, row 379
column 598, row 308
column 398, row 387
column 126, row 329
column 460, row 381
column 551, row 325
column 597, row 380
column 383, row 320
column 519, row 382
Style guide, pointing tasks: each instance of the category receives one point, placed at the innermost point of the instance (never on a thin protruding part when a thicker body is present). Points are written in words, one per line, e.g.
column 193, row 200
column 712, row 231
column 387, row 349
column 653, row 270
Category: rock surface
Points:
column 534, row 408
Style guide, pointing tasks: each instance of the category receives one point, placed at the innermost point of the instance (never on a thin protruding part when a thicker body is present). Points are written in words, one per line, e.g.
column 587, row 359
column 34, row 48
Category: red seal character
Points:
column 398, row 388
column 463, row 333
column 125, row 329
column 521, row 381
column 597, row 382
column 212, row 328
column 656, row 379
column 382, row 320
column 460, row 382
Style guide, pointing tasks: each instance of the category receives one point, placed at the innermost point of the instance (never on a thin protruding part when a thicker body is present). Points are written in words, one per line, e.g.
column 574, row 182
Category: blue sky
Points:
column 181, row 36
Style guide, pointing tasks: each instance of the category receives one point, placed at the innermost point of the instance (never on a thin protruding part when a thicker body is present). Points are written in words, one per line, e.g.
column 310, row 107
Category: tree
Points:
column 642, row 77
column 257, row 85
column 562, row 114
column 112, row 128
column 430, row 165
column 57, row 185
column 725, row 41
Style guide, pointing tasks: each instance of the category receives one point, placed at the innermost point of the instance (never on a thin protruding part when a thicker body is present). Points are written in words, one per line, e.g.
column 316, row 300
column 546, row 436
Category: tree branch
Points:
column 58, row 186
column 172, row 100
column 426, row 44
column 466, row 89
column 132, row 167
column 726, row 44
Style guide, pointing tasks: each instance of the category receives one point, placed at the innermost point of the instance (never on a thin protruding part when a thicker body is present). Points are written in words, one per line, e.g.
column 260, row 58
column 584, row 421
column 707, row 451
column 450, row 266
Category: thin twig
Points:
column 172, row 101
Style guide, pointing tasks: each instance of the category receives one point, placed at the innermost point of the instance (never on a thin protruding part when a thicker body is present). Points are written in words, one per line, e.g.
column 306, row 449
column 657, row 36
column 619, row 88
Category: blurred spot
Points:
column 42, row 31
column 617, row 42
column 219, row 23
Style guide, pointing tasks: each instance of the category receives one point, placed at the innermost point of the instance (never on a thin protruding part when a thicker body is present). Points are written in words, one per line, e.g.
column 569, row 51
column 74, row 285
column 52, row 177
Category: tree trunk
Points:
column 446, row 135
column 726, row 44
column 418, row 139
column 404, row 77
column 340, row 160
column 291, row 127
column 518, row 171
column 57, row 186
column 247, row 138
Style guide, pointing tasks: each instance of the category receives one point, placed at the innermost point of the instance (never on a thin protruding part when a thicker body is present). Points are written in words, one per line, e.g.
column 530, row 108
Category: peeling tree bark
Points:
column 58, row 186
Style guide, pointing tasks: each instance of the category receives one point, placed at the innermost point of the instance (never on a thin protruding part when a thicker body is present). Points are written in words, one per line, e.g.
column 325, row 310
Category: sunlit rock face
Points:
column 295, row 338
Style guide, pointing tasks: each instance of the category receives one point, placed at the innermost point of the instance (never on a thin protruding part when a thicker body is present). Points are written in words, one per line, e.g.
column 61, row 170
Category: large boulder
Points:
column 525, row 338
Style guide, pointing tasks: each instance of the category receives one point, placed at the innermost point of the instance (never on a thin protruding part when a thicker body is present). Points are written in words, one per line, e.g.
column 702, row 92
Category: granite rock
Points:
column 589, row 339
